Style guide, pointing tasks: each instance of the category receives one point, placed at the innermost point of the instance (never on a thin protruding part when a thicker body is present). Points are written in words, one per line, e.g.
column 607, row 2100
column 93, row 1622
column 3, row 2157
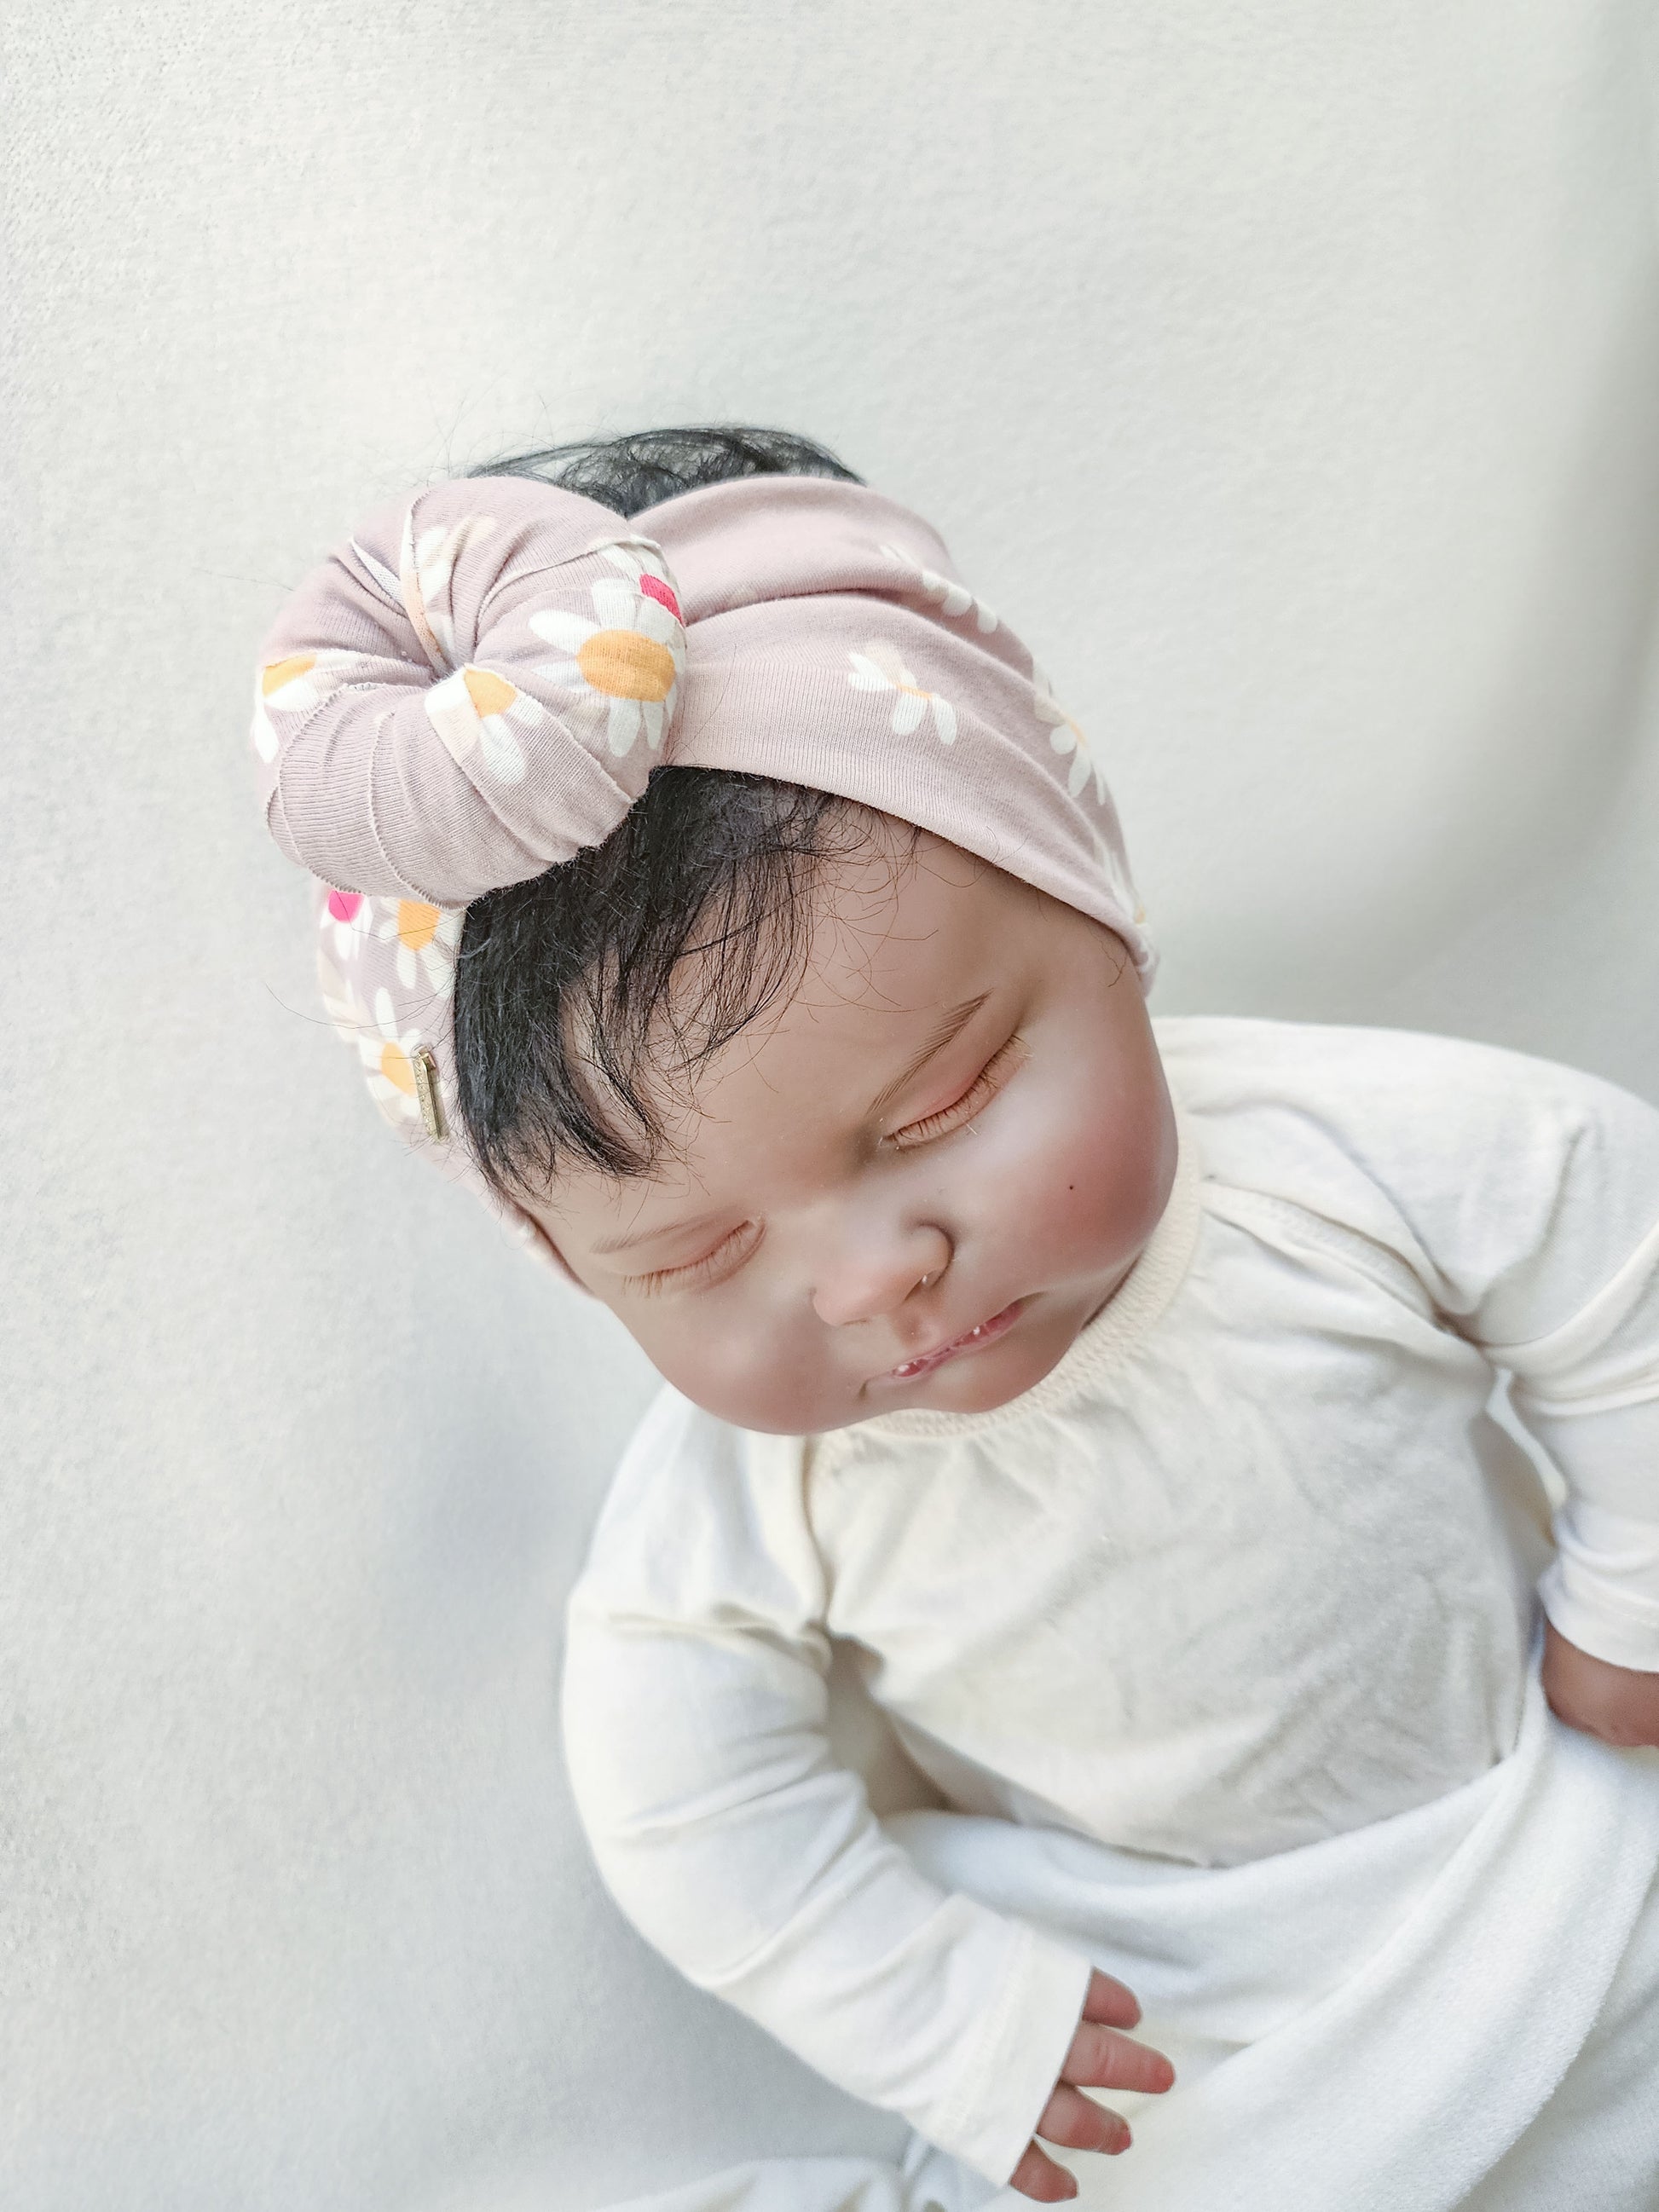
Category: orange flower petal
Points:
column 394, row 1065
column 276, row 673
column 418, row 924
column 490, row 694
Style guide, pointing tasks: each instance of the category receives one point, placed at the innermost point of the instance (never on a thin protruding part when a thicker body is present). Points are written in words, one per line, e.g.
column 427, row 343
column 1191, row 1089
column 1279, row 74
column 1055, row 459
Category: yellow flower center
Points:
column 625, row 665
column 418, row 924
column 278, row 672
column 490, row 694
column 394, row 1065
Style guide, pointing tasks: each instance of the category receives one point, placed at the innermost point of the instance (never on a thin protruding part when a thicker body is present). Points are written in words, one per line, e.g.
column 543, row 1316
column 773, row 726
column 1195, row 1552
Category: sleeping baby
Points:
column 711, row 882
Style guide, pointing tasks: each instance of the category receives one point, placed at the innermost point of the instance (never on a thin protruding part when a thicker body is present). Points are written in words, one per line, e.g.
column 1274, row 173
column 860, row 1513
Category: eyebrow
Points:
column 948, row 1030
column 652, row 1236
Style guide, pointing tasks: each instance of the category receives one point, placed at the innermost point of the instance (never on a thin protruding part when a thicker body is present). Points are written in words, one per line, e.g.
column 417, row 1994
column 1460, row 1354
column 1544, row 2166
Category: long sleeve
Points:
column 695, row 1705
column 1525, row 1196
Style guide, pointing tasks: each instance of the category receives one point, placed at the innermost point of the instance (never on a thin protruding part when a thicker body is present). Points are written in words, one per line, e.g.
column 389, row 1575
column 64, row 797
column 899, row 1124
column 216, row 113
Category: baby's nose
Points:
column 868, row 1283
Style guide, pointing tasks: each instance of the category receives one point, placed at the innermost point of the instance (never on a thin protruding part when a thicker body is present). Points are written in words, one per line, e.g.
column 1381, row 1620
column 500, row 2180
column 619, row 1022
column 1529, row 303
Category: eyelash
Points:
column 978, row 1094
column 697, row 1272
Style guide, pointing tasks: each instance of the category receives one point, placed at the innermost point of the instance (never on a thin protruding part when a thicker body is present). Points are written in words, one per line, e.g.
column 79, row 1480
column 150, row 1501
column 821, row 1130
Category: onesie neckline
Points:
column 1120, row 1325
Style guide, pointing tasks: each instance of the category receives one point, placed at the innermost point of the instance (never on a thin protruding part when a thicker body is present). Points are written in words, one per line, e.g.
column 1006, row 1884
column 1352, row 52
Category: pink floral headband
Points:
column 477, row 685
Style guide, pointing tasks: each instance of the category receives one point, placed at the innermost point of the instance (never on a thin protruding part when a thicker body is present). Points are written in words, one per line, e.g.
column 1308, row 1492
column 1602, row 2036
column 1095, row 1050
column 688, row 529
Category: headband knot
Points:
column 475, row 686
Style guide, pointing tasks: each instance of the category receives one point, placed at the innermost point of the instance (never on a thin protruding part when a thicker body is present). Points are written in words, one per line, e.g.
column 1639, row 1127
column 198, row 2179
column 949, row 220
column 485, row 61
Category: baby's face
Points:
column 912, row 1187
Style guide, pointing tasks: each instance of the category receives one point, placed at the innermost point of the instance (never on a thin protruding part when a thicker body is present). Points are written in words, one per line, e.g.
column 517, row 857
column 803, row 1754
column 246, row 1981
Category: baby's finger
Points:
column 1101, row 2058
column 1108, row 2001
column 1039, row 2176
column 1077, row 2121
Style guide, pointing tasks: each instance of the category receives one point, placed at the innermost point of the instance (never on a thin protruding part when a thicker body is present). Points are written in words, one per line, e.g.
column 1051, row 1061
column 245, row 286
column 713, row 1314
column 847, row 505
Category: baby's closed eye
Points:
column 724, row 1258
column 995, row 1072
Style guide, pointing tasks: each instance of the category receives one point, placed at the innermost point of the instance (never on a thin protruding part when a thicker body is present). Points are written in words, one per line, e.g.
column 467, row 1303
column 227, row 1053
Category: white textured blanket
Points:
column 1457, row 2007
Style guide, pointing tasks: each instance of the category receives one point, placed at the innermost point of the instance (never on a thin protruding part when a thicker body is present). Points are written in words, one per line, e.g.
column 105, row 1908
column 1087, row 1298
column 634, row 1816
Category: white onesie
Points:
column 1253, row 1565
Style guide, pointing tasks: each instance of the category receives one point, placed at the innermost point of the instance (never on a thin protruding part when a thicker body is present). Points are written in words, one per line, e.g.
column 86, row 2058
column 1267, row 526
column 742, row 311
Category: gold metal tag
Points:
column 423, row 1064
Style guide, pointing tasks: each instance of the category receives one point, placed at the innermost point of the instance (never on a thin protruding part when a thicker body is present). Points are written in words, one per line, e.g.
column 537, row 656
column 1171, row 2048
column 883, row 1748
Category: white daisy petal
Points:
column 945, row 719
column 560, row 628
column 652, row 712
column 866, row 677
column 615, row 606
column 907, row 711
column 340, row 1002
column 1080, row 776
column 561, row 675
column 500, row 750
column 984, row 620
column 654, row 621
column 623, row 726
column 957, row 597
column 450, row 710
column 264, row 735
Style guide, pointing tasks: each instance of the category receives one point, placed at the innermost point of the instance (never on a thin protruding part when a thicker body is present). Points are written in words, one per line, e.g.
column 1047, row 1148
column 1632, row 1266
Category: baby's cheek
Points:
column 733, row 1365
column 1088, row 1189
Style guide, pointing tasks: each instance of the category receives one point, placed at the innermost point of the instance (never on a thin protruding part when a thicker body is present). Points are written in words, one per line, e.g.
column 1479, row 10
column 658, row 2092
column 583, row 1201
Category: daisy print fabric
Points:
column 1067, row 739
column 477, row 710
column 295, row 682
column 953, row 599
column 387, row 1039
column 876, row 666
column 344, row 918
column 385, row 1044
column 414, row 942
column 624, row 662
column 423, row 940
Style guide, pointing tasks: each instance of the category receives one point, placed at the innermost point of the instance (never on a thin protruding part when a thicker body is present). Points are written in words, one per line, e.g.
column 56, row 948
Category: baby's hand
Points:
column 1618, row 1703
column 1102, row 2059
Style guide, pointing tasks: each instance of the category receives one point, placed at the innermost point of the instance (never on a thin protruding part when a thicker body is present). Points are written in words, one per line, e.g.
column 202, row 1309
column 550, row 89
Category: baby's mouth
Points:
column 985, row 1332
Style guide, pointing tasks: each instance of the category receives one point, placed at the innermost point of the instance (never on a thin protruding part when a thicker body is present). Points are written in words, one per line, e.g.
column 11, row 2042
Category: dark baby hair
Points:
column 564, row 982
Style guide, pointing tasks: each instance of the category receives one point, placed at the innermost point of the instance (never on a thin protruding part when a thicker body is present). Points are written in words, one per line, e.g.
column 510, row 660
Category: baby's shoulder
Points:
column 1238, row 1060
column 694, row 1497
column 1345, row 1115
column 1406, row 1081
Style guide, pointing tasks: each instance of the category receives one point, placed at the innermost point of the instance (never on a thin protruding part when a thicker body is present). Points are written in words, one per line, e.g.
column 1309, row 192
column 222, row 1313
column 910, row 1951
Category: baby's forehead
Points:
column 896, row 957
column 879, row 915
column 896, row 951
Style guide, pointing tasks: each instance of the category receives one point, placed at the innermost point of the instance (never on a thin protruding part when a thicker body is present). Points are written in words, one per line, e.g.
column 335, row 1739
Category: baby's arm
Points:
column 1577, row 1324
column 1525, row 1196
column 694, row 1704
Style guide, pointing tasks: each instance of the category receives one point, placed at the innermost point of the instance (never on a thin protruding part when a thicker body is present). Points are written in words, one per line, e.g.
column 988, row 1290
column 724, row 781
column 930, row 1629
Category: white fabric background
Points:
column 1286, row 373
